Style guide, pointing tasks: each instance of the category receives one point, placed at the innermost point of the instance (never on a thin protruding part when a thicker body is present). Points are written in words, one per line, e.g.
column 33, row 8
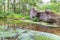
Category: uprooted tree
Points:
column 46, row 16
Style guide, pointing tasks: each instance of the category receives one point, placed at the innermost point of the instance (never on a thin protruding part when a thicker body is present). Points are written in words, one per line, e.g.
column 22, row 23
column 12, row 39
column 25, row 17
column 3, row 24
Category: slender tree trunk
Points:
column 11, row 5
column 24, row 9
column 14, row 8
column 1, row 6
column 19, row 6
column 8, row 5
column 4, row 5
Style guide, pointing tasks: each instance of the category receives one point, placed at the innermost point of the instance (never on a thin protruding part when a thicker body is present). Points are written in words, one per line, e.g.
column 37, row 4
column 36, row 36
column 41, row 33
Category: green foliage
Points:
column 54, row 1
column 35, row 19
column 41, row 37
column 2, row 15
column 55, row 7
column 27, row 17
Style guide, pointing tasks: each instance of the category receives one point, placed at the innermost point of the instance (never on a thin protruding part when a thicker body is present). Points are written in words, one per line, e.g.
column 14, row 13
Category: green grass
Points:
column 40, row 37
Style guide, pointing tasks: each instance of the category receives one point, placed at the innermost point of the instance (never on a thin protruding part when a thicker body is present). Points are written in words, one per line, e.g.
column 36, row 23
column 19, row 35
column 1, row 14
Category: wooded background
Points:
column 23, row 6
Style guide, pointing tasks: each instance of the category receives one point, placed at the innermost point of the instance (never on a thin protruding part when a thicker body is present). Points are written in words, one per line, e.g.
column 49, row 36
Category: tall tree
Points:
column 8, row 4
column 14, row 8
column 3, row 3
column 0, row 5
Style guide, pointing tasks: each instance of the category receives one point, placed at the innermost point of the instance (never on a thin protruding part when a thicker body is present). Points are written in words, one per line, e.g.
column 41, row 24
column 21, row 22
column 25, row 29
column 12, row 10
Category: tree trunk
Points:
column 14, row 8
column 4, row 5
column 8, row 5
column 19, row 6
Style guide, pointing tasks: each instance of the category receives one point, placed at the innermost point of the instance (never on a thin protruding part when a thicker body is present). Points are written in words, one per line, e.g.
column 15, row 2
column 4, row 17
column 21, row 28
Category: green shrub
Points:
column 27, row 17
column 35, row 19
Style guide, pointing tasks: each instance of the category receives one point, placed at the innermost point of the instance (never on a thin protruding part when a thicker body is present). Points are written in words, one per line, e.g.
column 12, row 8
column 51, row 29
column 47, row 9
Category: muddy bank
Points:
column 37, row 26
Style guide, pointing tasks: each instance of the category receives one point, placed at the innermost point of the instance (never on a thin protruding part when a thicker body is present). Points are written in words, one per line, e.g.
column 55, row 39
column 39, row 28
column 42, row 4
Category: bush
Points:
column 35, row 19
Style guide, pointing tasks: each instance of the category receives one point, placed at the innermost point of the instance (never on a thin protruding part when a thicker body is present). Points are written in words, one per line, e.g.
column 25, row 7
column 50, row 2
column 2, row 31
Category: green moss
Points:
column 41, row 37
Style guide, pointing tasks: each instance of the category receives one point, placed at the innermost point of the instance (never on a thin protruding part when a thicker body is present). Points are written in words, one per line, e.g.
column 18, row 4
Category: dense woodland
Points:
column 20, row 7
column 16, row 9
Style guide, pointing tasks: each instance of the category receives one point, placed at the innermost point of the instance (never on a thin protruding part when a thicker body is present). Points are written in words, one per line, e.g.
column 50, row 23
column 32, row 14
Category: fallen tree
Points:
column 46, row 16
